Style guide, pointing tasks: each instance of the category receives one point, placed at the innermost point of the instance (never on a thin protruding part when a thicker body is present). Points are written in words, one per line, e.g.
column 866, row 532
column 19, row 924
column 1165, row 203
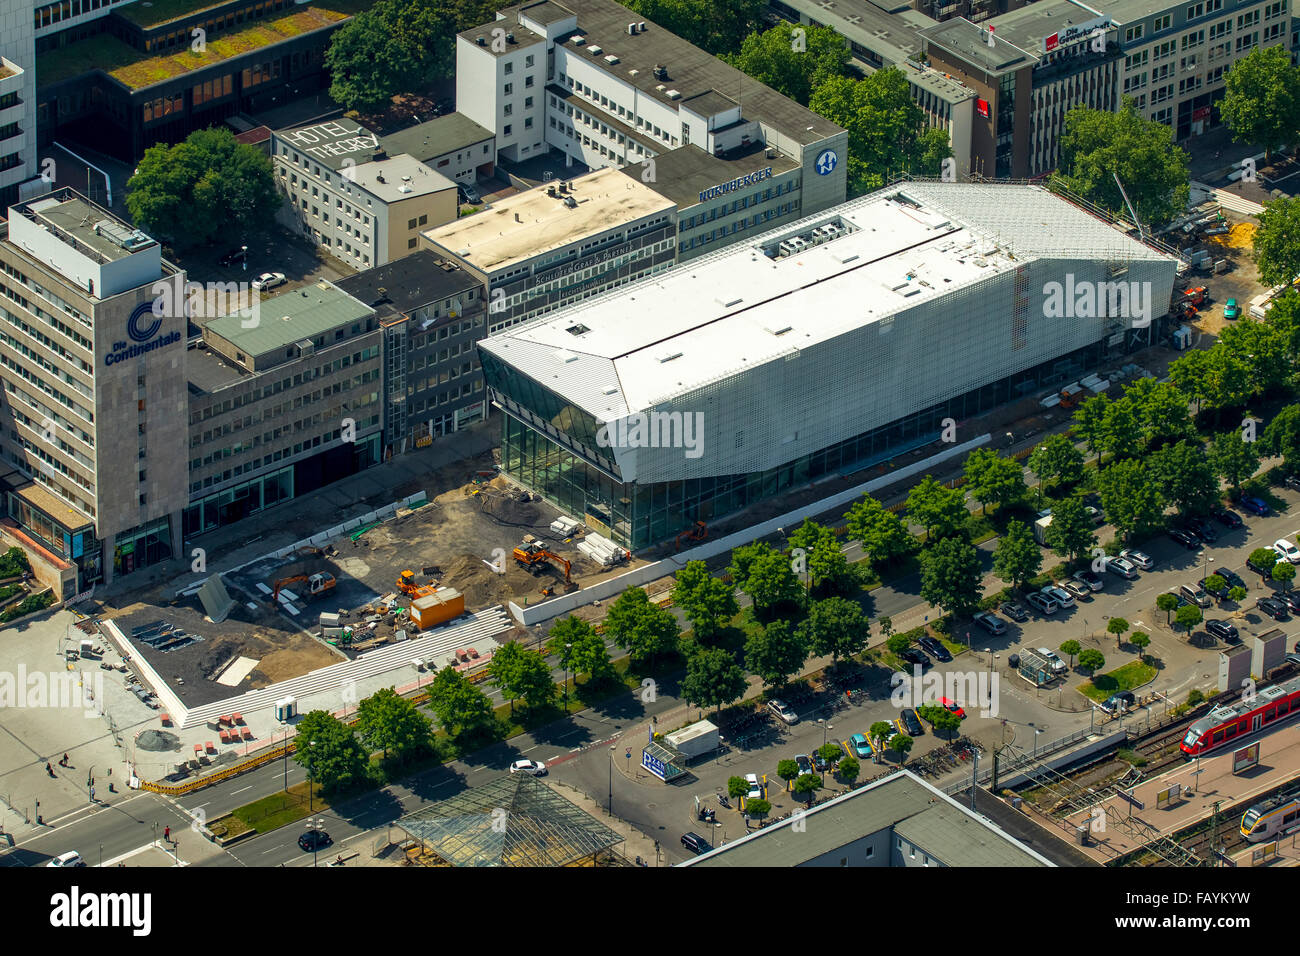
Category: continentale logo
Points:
column 133, row 329
column 143, row 333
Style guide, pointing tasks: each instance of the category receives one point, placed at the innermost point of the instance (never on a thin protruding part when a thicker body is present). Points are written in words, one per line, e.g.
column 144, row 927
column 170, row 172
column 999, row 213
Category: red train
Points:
column 1234, row 721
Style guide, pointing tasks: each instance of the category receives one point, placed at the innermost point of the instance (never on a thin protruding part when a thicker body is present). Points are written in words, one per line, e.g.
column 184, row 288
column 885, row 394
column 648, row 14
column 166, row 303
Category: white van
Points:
column 1058, row 665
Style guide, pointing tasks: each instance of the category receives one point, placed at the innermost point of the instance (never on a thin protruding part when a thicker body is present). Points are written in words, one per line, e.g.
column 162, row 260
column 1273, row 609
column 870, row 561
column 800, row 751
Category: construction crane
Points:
column 316, row 584
column 534, row 556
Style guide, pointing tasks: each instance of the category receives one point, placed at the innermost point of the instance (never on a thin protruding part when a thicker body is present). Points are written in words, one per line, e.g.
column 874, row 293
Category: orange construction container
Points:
column 437, row 608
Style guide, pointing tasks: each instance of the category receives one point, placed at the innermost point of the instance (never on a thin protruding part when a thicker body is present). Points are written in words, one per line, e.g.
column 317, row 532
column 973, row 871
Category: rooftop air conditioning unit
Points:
column 481, row 41
column 611, row 59
column 510, row 38
column 674, row 95
column 641, row 26
column 631, row 29
column 595, row 50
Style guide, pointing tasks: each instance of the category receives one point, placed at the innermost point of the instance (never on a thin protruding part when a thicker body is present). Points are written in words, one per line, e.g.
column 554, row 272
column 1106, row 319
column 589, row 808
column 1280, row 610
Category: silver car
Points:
column 1059, row 595
column 783, row 711
column 1121, row 566
column 1139, row 558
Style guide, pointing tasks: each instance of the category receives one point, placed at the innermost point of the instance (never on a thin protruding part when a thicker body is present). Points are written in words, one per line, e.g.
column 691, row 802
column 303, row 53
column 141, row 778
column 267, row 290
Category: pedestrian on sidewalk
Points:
column 167, row 834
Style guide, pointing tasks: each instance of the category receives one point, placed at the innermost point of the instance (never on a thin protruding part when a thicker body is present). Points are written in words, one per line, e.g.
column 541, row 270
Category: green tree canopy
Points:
column 1128, row 492
column 460, row 707
column 1057, row 462
column 1232, row 458
column 715, row 26
column 709, row 603
column 792, row 64
column 883, row 534
column 202, row 189
column 522, row 674
column 713, row 678
column 641, row 627
column 1071, row 649
column 1070, row 534
column 775, row 652
column 386, row 721
column 836, row 626
column 1277, row 242
column 585, row 652
column 329, row 751
column 1188, row 616
column 994, row 479
column 1121, row 430
column 1017, row 557
column 767, row 577
column 1090, row 421
column 1261, row 101
column 951, row 575
column 1186, row 476
column 1097, row 145
column 940, row 511
column 1091, row 659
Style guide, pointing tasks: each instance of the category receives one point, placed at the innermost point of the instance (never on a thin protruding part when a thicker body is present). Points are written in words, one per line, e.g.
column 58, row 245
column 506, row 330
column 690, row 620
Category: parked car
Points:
column 471, row 194
column 314, row 840
column 1077, row 589
column 534, row 767
column 71, row 858
column 1223, row 631
column 804, row 762
column 755, row 788
column 1116, row 703
column 695, row 843
column 934, row 647
column 1229, row 519
column 233, row 257
column 1139, row 558
column 1292, row 482
column 1202, row 528
column 1219, row 594
column 1291, row 599
column 1194, row 594
column 990, row 623
column 1122, row 567
column 1185, row 538
column 1255, row 506
column 953, row 706
column 1091, row 580
column 822, row 764
column 1286, row 550
column 268, row 280
column 1232, row 577
column 911, row 722
column 1014, row 611
column 860, row 746
column 1095, row 515
column 783, row 711
column 1051, row 657
column 1273, row 608
column 1231, row 310
column 1265, row 571
column 1057, row 594
column 1292, row 659
column 1041, row 604
column 914, row 655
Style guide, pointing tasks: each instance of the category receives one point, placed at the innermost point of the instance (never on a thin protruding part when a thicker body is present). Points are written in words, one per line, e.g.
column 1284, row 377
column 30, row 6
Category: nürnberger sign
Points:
column 738, row 183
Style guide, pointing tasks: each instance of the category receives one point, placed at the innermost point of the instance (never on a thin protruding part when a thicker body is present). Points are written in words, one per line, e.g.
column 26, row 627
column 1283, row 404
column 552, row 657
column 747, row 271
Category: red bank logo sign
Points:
column 983, row 107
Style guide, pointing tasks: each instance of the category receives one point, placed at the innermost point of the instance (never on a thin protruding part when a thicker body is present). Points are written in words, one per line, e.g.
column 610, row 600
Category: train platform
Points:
column 1127, row 826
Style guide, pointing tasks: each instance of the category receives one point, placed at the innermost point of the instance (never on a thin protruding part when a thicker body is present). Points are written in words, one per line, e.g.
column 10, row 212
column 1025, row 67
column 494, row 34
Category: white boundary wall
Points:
column 564, row 604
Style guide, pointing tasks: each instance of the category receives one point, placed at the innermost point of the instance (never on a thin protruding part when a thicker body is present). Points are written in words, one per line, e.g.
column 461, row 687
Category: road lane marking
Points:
column 237, row 792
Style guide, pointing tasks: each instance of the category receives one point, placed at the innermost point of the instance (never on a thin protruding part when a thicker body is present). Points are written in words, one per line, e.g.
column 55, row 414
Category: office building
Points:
column 364, row 205
column 541, row 249
column 590, row 81
column 453, row 145
column 815, row 349
column 431, row 313
column 94, row 387
column 17, row 103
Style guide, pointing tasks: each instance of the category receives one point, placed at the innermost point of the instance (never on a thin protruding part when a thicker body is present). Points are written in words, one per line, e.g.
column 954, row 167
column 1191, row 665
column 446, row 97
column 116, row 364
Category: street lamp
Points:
column 1037, row 732
column 825, row 728
column 315, row 826
column 567, row 649
column 1205, row 567
column 285, row 725
column 311, row 785
column 611, row 778
column 244, row 250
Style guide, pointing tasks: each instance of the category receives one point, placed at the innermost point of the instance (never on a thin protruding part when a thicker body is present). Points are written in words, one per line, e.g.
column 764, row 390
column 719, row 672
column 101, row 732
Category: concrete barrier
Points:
column 566, row 603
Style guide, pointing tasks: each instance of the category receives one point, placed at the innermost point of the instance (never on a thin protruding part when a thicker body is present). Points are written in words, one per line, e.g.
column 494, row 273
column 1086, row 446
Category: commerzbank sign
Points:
column 740, row 183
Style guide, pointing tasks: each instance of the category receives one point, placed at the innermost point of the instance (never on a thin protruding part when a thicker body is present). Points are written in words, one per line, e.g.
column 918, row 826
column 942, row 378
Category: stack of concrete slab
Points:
column 564, row 525
column 601, row 550
column 1095, row 384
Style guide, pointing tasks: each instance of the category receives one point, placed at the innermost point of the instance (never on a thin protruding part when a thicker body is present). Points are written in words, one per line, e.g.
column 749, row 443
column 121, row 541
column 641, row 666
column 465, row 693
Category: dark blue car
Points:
column 1255, row 506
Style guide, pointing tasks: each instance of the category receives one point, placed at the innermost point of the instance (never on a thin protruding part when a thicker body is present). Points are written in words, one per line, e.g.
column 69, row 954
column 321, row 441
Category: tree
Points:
column 1263, row 558
column 793, row 66
column 951, row 575
column 387, row 722
column 1091, row 659
column 459, row 706
column 994, row 479
column 1233, row 459
column 521, row 674
column 940, row 511
column 644, row 629
column 1090, row 422
column 737, row 787
column 1263, row 351
column 1070, row 533
column 586, row 652
column 775, row 652
column 1057, row 462
column 1188, row 616
column 806, row 784
column 1237, row 594
column 1141, row 640
column 1121, row 430
column 1167, row 602
column 327, row 749
column 1071, row 649
column 1128, row 493
column 1282, row 437
column 941, row 718
column 1215, row 582
column 758, row 807
column 1162, row 411
column 848, row 770
column 901, row 745
column 883, row 534
column 888, row 133
column 821, row 555
column 766, row 576
column 787, row 770
column 836, row 626
column 1186, row 476
column 713, row 678
column 831, row 753
column 1017, row 557
column 1284, row 574
column 1098, row 145
column 201, row 189
column 709, row 603
column 1216, row 378
column 1117, row 626
column 898, row 643
column 1261, row 101
column 880, row 730
column 715, row 26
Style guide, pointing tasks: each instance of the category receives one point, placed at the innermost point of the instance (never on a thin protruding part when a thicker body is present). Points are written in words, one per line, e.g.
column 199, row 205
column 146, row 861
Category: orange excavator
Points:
column 698, row 532
column 317, row 584
column 406, row 584
column 534, row 557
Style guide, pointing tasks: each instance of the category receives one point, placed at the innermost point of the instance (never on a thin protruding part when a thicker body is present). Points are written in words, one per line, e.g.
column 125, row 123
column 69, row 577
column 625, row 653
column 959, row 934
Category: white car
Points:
column 755, row 790
column 1141, row 559
column 1122, row 567
column 1059, row 595
column 783, row 711
column 1285, row 549
column 534, row 767
column 268, row 280
column 71, row 858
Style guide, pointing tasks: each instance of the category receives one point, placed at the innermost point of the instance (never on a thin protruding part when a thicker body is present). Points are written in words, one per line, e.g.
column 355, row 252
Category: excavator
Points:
column 406, row 584
column 317, row 584
column 698, row 532
column 533, row 558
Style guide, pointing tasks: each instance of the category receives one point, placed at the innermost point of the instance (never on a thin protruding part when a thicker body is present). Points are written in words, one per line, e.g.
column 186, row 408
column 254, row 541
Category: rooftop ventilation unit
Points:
column 510, row 38
column 633, row 72
column 631, row 29
column 661, row 72
column 579, row 40
column 404, row 188
column 674, row 95
column 779, row 329
column 595, row 50
column 611, row 59
column 668, row 357
column 609, row 390
column 481, row 41
column 727, row 301
column 641, row 27
column 564, row 356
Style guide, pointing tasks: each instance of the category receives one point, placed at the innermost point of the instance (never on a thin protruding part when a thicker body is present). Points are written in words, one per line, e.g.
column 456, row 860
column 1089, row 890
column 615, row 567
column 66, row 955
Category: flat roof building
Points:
column 540, row 249
column 778, row 361
column 899, row 820
column 453, row 145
